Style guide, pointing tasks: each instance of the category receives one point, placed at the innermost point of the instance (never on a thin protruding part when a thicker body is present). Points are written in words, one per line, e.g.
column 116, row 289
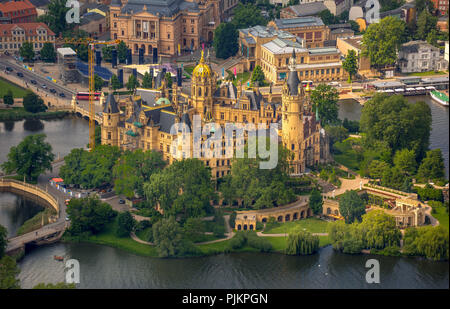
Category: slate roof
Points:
column 111, row 105
column 297, row 22
column 308, row 9
column 162, row 7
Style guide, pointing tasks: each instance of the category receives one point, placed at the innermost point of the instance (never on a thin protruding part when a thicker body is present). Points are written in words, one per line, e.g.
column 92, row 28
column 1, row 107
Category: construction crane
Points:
column 91, row 51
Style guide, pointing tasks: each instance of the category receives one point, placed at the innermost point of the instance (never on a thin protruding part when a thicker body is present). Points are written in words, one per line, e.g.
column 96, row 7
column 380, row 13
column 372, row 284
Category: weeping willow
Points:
column 302, row 243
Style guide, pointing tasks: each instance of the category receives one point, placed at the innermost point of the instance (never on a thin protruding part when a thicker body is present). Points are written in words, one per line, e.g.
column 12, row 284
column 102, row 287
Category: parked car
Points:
column 33, row 81
column 121, row 201
column 20, row 74
column 62, row 95
column 9, row 69
column 52, row 90
column 44, row 86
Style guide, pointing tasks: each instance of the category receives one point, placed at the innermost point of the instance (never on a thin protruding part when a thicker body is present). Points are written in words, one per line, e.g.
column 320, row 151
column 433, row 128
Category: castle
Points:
column 148, row 120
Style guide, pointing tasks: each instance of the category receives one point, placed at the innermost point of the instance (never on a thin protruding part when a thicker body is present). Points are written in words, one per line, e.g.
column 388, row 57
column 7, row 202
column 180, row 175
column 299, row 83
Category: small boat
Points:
column 439, row 97
column 58, row 258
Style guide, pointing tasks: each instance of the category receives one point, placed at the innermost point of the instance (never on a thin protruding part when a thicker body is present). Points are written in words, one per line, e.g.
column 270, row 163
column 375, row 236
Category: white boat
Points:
column 439, row 97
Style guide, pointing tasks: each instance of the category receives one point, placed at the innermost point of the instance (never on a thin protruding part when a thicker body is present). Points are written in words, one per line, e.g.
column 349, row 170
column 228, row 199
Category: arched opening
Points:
column 302, row 214
column 150, row 50
column 328, row 211
column 245, row 227
column 143, row 49
column 199, row 91
column 210, row 36
column 239, row 227
column 295, row 216
column 251, row 227
column 280, row 219
column 287, row 217
column 136, row 48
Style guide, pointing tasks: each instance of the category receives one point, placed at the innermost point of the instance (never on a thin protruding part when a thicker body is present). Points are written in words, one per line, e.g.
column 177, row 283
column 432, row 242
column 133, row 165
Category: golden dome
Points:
column 202, row 69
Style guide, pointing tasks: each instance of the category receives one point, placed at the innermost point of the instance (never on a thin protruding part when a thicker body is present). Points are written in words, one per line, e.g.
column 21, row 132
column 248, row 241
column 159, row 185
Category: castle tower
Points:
column 203, row 86
column 110, row 132
column 292, row 118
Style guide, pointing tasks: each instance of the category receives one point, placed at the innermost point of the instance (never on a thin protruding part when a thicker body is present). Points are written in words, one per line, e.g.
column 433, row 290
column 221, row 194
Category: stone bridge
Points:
column 291, row 212
column 46, row 234
column 84, row 112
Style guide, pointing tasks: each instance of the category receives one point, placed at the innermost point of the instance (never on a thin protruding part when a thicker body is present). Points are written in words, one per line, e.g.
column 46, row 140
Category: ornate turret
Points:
column 293, row 81
column 202, row 69
column 203, row 86
column 111, row 115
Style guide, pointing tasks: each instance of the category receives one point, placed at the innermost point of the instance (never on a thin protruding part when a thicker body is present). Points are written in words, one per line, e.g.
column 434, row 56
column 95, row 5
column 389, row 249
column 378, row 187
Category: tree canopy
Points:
column 351, row 206
column 30, row 158
column 55, row 17
column 33, row 103
column 432, row 166
column 26, row 51
column 325, row 99
column 184, row 188
column 3, row 240
column 225, row 41
column 48, row 53
column 8, row 273
column 350, row 64
column 382, row 40
column 88, row 215
column 316, row 201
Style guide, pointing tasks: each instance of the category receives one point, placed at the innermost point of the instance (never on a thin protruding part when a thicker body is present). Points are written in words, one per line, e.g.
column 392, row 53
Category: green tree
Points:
column 328, row 18
column 380, row 230
column 98, row 135
column 125, row 224
column 428, row 241
column 147, row 81
column 107, row 53
column 30, row 158
column 350, row 64
column 405, row 161
column 3, row 240
column 8, row 98
column 258, row 76
column 194, row 229
column 316, row 201
column 32, row 103
column 346, row 238
column 48, row 53
column 351, row 206
column 336, row 133
column 425, row 24
column 26, row 51
column 98, row 83
column 376, row 169
column 302, row 243
column 432, row 166
column 247, row 15
column 393, row 178
column 325, row 99
column 8, row 273
column 57, row 286
column 382, row 40
column 88, row 215
column 133, row 169
column 225, row 40
column 184, row 188
column 168, row 237
column 115, row 84
column 168, row 80
column 398, row 123
column 132, row 83
column 432, row 37
column 55, row 17
column 122, row 51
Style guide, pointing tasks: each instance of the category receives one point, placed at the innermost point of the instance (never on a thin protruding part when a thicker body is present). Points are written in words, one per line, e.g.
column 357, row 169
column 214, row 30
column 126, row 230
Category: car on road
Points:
column 67, row 219
column 33, row 81
column 20, row 74
column 62, row 95
column 121, row 201
column 334, row 84
column 52, row 90
column 9, row 69
column 44, row 86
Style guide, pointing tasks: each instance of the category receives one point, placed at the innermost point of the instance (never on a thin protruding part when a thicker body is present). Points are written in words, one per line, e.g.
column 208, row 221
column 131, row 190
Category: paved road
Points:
column 40, row 79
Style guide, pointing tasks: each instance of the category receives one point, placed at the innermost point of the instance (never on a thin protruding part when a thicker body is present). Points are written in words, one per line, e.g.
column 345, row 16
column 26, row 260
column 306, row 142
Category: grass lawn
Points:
column 144, row 234
column 18, row 92
column 346, row 155
column 189, row 69
column 312, row 225
column 108, row 237
column 441, row 215
column 427, row 73
column 244, row 77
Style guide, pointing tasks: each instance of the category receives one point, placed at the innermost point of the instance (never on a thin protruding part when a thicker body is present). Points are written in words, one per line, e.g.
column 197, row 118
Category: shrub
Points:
column 232, row 220
column 260, row 243
column 302, row 243
column 238, row 241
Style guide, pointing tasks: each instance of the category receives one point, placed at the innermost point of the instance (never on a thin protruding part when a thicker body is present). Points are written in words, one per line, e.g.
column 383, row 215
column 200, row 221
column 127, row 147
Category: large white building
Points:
column 419, row 56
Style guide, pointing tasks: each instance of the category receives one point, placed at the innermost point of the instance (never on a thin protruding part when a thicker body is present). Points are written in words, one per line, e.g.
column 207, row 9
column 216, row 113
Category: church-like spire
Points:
column 293, row 80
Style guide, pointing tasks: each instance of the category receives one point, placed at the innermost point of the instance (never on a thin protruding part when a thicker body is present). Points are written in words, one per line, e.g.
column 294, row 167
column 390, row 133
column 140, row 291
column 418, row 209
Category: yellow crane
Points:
column 91, row 51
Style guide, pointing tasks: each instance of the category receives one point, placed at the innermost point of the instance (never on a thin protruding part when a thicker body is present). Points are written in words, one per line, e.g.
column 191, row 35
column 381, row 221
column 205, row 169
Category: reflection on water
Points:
column 15, row 210
column 33, row 125
column 105, row 267
column 63, row 134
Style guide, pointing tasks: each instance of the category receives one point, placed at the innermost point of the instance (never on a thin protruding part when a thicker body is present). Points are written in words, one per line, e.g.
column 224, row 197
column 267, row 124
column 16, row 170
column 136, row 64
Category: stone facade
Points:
column 419, row 56
column 149, row 118
column 13, row 35
column 167, row 25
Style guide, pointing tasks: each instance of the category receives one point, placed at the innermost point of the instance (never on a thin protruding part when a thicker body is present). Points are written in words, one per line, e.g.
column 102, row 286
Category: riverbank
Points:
column 19, row 113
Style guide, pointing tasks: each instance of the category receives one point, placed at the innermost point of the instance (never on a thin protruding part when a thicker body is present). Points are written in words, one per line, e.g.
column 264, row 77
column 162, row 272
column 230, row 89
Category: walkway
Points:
column 261, row 234
column 229, row 233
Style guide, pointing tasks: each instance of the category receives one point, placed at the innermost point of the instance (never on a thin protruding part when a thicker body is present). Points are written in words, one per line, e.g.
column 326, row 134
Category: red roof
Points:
column 27, row 27
column 12, row 6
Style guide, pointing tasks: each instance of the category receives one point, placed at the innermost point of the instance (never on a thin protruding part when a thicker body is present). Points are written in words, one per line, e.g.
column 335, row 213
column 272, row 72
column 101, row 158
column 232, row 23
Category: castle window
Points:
column 293, row 147
column 109, row 135
column 199, row 92
column 207, row 163
column 222, row 116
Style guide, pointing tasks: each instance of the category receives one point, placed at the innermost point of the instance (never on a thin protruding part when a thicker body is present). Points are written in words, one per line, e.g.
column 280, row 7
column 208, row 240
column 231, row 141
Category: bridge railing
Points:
column 31, row 189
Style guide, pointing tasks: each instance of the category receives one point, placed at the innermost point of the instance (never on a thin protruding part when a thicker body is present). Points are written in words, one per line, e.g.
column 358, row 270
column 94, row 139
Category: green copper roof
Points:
column 138, row 124
column 131, row 133
column 162, row 101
